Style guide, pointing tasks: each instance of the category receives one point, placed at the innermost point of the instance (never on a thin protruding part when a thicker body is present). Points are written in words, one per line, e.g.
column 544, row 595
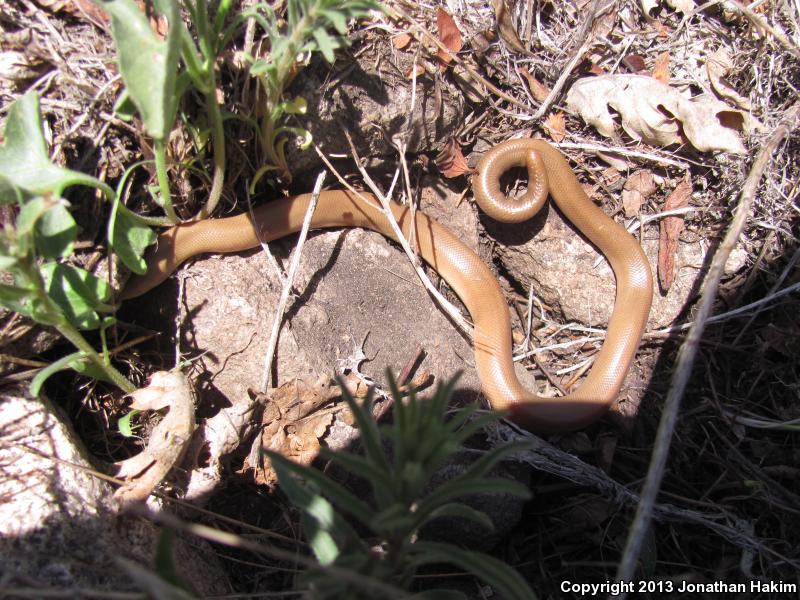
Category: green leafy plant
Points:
column 156, row 69
column 33, row 249
column 311, row 25
column 422, row 441
column 149, row 67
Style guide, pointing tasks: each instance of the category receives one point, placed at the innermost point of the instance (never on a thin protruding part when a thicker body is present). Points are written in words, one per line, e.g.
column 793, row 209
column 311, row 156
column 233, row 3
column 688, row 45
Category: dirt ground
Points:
column 710, row 411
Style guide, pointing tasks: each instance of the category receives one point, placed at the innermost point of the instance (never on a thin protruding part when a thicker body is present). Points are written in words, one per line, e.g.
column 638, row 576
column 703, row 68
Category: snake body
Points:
column 464, row 271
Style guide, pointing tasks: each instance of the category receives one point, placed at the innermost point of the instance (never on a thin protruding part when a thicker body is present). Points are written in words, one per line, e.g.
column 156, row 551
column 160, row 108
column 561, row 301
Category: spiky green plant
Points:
column 422, row 440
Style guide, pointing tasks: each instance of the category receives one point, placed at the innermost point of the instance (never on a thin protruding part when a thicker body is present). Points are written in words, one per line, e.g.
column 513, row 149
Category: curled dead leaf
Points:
column 556, row 126
column 718, row 65
column 669, row 230
column 637, row 189
column 167, row 441
column 656, row 113
column 451, row 161
column 505, row 27
column 539, row 91
column 293, row 421
column 449, row 35
column 298, row 414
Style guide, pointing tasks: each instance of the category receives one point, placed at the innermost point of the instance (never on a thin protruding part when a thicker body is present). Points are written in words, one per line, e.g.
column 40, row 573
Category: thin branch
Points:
column 661, row 160
column 451, row 310
column 273, row 262
column 584, row 40
column 288, row 282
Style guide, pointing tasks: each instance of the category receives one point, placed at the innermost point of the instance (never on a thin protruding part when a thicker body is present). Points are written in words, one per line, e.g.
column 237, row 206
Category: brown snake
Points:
column 464, row 272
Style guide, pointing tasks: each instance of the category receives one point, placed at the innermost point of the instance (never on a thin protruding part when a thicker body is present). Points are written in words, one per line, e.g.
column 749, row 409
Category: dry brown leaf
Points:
column 637, row 189
column 605, row 21
column 449, row 35
column 505, row 27
column 293, row 423
column 610, row 176
column 92, row 12
column 718, row 65
column 556, row 126
column 402, row 40
column 417, row 70
column 670, row 229
column 481, row 41
column 451, row 161
column 539, row 91
column 76, row 8
column 634, row 63
column 167, row 440
column 661, row 67
column 656, row 113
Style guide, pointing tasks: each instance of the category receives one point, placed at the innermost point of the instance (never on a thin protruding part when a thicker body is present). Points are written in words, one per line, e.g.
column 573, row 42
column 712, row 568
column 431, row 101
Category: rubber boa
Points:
column 465, row 273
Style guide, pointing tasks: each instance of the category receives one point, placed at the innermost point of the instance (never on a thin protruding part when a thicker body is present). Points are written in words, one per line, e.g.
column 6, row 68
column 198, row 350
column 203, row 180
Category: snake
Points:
column 549, row 174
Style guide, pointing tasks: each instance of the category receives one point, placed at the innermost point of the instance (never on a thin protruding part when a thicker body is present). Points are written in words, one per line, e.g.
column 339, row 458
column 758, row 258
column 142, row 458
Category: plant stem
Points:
column 218, row 139
column 274, row 88
column 74, row 336
column 160, row 150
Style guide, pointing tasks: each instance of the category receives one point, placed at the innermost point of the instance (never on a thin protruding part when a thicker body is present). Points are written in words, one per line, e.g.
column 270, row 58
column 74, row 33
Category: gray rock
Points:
column 569, row 275
column 58, row 526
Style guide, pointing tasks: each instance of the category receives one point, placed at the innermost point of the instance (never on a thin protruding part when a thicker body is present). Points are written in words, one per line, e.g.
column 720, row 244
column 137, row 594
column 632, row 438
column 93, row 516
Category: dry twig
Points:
column 287, row 284
column 448, row 307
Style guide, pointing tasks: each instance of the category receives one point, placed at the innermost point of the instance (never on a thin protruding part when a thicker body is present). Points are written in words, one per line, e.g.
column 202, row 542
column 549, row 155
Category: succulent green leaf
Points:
column 9, row 193
column 129, row 238
column 24, row 162
column 124, row 107
column 55, row 232
column 148, row 64
column 8, row 262
column 337, row 19
column 78, row 293
column 77, row 362
column 29, row 215
column 44, row 374
column 16, row 298
column 326, row 43
column 124, row 423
